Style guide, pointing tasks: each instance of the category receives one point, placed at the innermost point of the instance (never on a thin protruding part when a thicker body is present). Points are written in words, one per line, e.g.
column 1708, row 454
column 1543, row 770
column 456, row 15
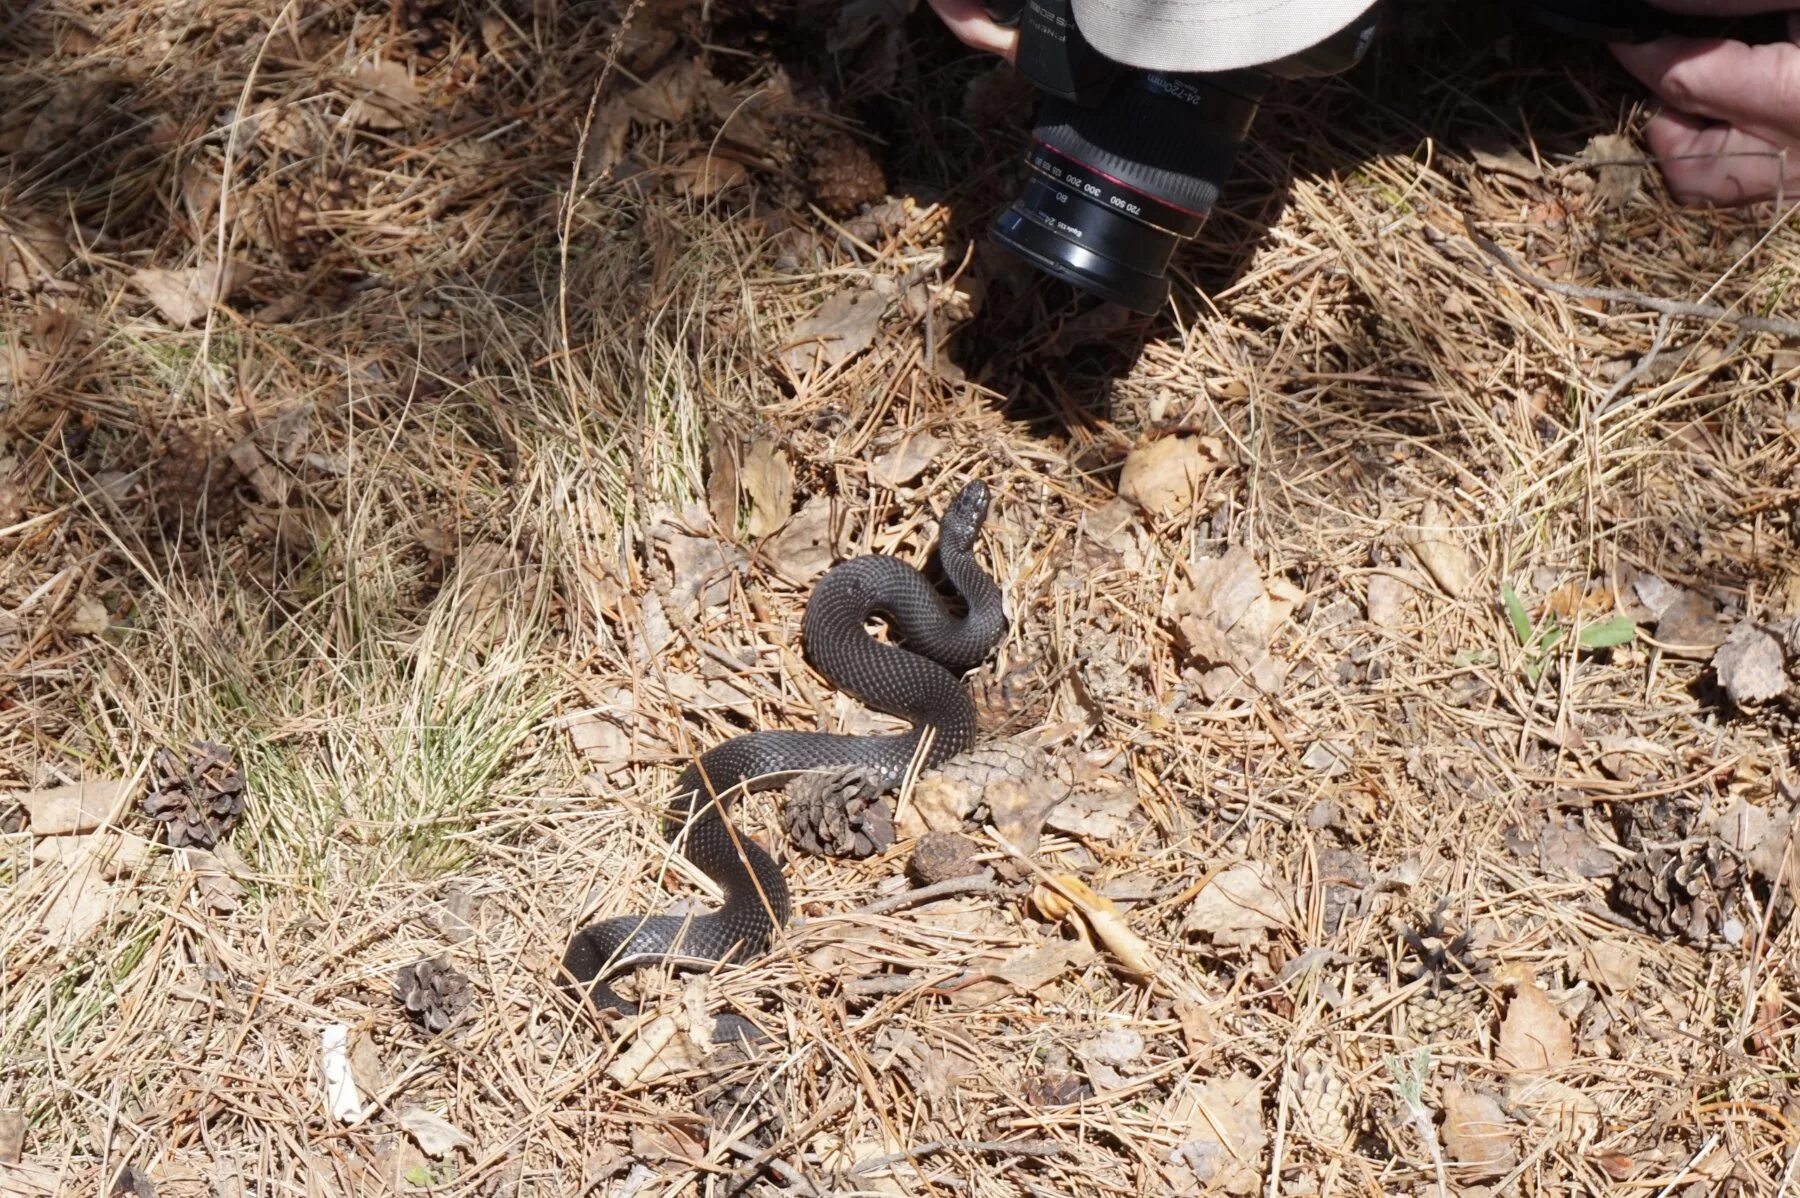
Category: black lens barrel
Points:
column 1115, row 188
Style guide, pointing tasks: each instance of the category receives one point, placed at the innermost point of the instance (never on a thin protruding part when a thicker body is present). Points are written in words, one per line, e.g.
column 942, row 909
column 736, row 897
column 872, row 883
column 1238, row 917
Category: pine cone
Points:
column 1453, row 994
column 1324, row 1106
column 193, row 486
column 1685, row 891
column 1431, row 1013
column 1663, row 821
column 433, row 994
column 941, row 856
column 743, row 1098
column 198, row 799
column 844, row 175
column 834, row 815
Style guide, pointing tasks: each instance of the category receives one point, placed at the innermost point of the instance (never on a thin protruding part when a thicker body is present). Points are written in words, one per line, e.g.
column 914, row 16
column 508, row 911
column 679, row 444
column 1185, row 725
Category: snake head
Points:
column 967, row 512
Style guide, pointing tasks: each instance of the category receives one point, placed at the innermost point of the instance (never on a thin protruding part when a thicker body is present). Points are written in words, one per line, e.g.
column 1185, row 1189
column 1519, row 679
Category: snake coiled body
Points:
column 917, row 680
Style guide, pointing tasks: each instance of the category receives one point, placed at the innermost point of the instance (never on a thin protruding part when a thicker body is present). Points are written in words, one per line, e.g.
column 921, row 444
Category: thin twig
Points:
column 1756, row 324
column 973, row 883
column 997, row 1147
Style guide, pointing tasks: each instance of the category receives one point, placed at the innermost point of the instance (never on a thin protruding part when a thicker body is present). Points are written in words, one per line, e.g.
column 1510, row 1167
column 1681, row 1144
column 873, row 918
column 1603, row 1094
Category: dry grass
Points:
column 430, row 586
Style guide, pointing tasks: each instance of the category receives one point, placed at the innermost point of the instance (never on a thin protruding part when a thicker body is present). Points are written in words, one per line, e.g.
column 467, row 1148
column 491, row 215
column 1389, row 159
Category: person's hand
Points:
column 1729, row 131
column 969, row 21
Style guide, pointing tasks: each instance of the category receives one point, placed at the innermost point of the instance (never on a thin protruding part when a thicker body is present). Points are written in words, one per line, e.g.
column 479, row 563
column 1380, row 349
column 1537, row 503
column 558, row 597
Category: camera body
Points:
column 1125, row 164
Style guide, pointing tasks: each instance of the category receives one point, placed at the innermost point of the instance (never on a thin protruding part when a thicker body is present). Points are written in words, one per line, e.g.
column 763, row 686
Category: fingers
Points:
column 1712, row 164
column 1756, row 88
column 975, row 29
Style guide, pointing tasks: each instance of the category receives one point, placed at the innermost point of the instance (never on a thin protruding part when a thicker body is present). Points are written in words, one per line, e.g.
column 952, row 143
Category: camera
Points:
column 1124, row 164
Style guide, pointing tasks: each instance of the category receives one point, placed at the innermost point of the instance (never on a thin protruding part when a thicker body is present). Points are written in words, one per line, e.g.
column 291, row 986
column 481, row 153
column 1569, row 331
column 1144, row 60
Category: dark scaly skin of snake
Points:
column 919, row 682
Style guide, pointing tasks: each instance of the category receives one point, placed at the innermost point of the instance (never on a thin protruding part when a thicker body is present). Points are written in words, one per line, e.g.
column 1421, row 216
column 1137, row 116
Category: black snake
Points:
column 919, row 682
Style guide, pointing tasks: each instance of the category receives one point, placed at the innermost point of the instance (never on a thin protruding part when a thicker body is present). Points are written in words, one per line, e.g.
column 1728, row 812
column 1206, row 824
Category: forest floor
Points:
column 421, row 426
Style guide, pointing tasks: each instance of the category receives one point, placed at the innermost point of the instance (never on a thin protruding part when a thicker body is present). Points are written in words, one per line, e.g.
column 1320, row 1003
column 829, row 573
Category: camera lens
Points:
column 1113, row 189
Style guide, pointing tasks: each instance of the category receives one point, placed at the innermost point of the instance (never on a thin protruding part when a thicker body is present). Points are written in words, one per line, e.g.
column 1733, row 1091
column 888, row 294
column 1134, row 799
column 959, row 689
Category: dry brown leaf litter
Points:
column 453, row 510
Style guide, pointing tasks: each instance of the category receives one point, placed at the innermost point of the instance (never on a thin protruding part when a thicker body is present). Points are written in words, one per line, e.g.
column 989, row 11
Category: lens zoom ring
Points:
column 1151, row 143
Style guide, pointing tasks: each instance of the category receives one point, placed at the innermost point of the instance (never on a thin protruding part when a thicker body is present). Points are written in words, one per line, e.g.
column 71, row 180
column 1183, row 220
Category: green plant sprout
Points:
column 1540, row 640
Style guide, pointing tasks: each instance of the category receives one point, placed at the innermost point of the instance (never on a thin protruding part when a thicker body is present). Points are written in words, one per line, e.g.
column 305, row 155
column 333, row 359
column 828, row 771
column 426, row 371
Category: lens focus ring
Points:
column 1172, row 138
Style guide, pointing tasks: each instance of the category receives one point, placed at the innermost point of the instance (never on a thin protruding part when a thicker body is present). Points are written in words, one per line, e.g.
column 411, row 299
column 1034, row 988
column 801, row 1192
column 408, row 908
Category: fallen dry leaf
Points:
column 1167, row 477
column 708, row 174
column 1618, row 168
column 1569, row 1118
column 1751, row 665
column 1066, row 895
column 842, row 327
column 1387, row 601
column 722, row 479
column 938, row 803
column 1229, row 616
column 115, row 854
column 1439, row 551
column 907, row 460
column 28, row 1179
column 84, row 900
column 1614, row 964
column 666, row 1044
column 87, row 616
column 605, row 147
column 184, row 296
column 703, row 570
column 803, row 550
column 386, row 96
column 1493, row 153
column 668, row 96
column 1534, row 1037
column 1224, row 1137
column 1477, row 1134
column 1095, row 814
column 1567, row 848
column 601, row 742
column 32, row 249
column 435, row 1135
column 1017, row 809
column 1687, row 624
column 77, row 807
column 1238, row 907
column 475, row 603
column 12, row 1135
column 1032, row 969
column 768, row 480
column 213, row 883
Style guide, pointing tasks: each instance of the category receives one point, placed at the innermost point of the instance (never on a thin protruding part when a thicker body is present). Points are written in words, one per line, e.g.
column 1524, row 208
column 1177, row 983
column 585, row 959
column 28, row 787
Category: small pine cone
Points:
column 941, row 856
column 1686, row 891
column 433, row 994
column 1431, row 1013
column 193, row 485
column 1324, row 1105
column 844, row 175
column 198, row 798
column 1663, row 820
column 834, row 815
column 743, row 1097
